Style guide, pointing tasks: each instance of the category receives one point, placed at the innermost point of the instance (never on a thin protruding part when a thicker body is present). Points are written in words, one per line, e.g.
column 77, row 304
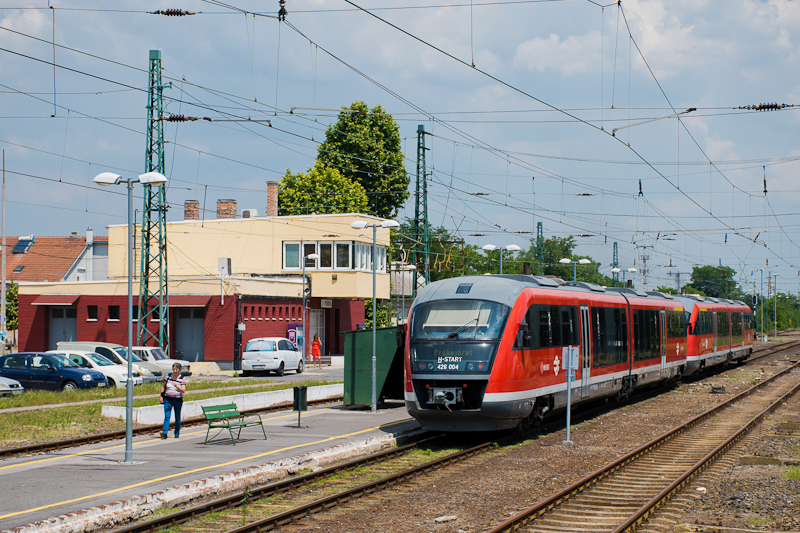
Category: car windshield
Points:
column 458, row 319
column 260, row 346
column 59, row 361
column 123, row 353
column 159, row 354
column 98, row 359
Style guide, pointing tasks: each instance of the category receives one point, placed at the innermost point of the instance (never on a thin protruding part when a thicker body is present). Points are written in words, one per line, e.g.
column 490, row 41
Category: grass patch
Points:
column 793, row 473
column 76, row 420
column 33, row 398
column 759, row 521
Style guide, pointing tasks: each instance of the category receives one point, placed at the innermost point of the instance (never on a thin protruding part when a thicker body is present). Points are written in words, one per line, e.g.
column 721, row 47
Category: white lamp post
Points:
column 149, row 178
column 492, row 247
column 360, row 224
column 314, row 258
column 775, row 306
column 404, row 269
column 575, row 264
column 617, row 270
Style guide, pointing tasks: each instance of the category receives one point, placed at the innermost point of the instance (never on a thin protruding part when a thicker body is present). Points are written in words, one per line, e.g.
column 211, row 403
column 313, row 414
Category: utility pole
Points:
column 540, row 244
column 153, row 297
column 615, row 264
column 421, row 234
column 645, row 257
column 3, row 322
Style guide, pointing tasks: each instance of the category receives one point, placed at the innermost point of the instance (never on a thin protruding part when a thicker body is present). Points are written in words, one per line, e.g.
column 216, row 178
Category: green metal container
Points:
column 358, row 366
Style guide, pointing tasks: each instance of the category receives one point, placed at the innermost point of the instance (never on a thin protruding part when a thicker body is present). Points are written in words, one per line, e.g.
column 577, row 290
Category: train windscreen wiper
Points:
column 454, row 334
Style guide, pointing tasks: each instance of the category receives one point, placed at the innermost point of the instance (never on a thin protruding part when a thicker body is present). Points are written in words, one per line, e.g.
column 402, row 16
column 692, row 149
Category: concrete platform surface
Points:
column 86, row 480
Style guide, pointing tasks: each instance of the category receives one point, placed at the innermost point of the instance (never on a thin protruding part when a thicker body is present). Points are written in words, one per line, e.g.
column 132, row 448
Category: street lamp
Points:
column 404, row 269
column 617, row 270
column 761, row 301
column 775, row 306
column 575, row 264
column 492, row 247
column 148, row 178
column 314, row 258
column 360, row 224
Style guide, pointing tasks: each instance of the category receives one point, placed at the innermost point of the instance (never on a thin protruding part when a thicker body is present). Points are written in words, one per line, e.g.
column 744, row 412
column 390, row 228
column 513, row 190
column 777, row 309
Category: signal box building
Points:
column 230, row 279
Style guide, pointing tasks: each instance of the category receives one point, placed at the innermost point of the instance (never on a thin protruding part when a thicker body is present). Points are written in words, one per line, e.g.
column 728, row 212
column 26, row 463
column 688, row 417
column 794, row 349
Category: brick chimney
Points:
column 191, row 210
column 272, row 198
column 226, row 209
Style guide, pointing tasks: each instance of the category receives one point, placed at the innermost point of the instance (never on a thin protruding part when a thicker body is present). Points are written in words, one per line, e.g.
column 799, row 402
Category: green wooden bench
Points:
column 228, row 417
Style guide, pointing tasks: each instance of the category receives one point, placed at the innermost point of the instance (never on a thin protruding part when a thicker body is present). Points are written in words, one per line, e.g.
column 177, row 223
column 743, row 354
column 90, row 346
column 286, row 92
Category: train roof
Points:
column 505, row 289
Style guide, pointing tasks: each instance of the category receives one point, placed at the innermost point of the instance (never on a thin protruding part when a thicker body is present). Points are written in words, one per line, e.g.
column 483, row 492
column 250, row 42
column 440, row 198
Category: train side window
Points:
column 599, row 338
column 555, row 326
column 545, row 339
column 569, row 326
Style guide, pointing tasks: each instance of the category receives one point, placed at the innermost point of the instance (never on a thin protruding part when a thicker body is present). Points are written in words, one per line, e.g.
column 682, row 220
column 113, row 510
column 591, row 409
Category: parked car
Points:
column 277, row 354
column 118, row 354
column 155, row 355
column 9, row 387
column 117, row 375
column 49, row 371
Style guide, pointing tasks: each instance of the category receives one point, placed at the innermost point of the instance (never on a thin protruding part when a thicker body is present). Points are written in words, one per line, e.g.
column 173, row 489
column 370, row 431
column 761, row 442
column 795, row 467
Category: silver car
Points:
column 118, row 354
column 10, row 387
column 155, row 355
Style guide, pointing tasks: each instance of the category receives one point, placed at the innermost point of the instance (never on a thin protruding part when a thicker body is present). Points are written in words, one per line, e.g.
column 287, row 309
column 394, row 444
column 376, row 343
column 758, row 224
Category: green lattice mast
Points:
column 153, row 301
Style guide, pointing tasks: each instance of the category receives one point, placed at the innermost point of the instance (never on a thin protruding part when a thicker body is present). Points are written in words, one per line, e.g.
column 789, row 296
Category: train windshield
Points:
column 458, row 320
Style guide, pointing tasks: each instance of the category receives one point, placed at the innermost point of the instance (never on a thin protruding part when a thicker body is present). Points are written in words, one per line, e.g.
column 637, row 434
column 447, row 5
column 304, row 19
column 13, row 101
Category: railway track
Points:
column 621, row 496
column 142, row 430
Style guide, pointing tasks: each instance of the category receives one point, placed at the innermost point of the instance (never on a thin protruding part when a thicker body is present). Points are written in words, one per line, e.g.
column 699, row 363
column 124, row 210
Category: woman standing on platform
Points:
column 316, row 351
column 172, row 398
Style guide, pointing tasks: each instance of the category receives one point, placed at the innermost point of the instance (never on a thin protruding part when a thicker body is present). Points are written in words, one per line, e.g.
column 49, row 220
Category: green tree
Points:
column 364, row 145
column 714, row 281
column 321, row 190
column 12, row 307
column 381, row 310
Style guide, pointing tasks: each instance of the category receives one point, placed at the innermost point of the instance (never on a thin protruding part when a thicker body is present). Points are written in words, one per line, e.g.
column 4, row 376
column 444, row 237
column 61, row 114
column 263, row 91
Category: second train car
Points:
column 486, row 353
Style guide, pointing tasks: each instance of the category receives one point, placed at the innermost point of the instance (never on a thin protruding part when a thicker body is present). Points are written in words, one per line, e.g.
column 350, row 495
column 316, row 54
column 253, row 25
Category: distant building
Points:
column 73, row 258
column 209, row 306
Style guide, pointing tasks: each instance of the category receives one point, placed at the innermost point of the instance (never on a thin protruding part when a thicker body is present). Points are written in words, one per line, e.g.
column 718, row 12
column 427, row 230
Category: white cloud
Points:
column 573, row 55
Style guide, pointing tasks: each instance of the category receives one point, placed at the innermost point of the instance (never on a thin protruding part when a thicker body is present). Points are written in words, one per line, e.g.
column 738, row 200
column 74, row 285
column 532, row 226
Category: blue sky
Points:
column 529, row 126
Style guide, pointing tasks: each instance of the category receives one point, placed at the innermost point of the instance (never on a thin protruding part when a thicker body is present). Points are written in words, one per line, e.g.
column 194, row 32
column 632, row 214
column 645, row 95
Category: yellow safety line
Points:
column 164, row 478
column 86, row 452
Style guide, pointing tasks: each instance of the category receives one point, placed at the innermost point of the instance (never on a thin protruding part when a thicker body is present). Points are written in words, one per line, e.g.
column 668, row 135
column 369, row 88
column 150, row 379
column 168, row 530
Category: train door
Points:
column 663, row 343
column 714, row 320
column 586, row 351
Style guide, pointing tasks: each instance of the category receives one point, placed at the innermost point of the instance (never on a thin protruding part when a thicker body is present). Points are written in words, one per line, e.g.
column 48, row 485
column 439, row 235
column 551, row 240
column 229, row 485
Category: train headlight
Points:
column 470, row 366
column 430, row 366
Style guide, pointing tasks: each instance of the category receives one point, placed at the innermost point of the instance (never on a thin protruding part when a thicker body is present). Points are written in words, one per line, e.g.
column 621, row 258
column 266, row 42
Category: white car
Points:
column 9, row 387
column 117, row 375
column 155, row 355
column 271, row 354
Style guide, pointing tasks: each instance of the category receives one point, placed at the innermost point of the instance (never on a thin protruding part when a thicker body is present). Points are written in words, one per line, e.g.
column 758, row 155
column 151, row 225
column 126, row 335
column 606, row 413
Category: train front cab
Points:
column 718, row 331
column 455, row 342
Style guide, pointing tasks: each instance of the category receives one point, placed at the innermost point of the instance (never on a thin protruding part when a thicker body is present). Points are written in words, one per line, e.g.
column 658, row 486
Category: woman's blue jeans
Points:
column 169, row 405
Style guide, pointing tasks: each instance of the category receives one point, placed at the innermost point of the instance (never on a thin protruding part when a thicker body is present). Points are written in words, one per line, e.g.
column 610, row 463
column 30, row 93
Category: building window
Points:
column 113, row 312
column 291, row 255
column 135, row 313
column 310, row 249
column 342, row 255
column 326, row 255
column 91, row 311
column 19, row 268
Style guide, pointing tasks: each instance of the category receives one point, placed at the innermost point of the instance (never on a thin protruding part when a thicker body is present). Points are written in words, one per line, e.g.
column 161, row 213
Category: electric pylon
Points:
column 153, row 298
column 421, row 234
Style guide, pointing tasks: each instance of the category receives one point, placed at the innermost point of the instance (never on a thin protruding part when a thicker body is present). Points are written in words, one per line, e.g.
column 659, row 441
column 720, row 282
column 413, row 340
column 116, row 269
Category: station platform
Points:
column 93, row 485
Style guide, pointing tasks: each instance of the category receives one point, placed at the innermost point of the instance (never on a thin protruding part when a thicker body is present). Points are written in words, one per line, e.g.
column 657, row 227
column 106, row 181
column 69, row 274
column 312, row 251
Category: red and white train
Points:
column 486, row 353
